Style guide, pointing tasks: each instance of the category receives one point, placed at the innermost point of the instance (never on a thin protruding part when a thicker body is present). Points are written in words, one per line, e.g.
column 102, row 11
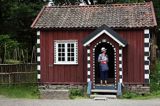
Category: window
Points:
column 65, row 52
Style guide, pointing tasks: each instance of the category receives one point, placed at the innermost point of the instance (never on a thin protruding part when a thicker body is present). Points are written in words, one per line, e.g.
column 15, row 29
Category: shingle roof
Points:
column 113, row 15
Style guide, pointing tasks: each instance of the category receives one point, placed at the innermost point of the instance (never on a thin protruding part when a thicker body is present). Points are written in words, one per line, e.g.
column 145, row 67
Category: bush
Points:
column 129, row 95
column 155, row 78
column 75, row 93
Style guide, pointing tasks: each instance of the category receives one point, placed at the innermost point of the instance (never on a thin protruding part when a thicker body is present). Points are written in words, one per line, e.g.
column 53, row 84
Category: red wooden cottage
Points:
column 69, row 39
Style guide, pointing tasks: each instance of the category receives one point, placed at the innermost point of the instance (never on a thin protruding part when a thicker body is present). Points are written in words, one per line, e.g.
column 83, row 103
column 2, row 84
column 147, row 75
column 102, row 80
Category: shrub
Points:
column 155, row 78
column 75, row 93
column 129, row 95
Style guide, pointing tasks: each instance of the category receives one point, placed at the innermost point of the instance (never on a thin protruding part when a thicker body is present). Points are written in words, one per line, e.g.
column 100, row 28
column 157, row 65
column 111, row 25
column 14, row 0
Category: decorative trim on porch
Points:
column 104, row 30
column 88, row 65
column 120, row 66
column 104, row 40
column 146, row 56
column 38, row 56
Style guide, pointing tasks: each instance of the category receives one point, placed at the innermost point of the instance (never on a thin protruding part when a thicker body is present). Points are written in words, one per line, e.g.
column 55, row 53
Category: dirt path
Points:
column 85, row 102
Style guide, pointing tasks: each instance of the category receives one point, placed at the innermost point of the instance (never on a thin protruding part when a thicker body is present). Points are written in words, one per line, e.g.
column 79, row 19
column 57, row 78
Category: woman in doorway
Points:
column 103, row 60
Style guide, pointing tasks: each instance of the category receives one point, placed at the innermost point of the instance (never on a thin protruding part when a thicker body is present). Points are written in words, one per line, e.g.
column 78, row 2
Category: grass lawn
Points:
column 131, row 95
column 20, row 91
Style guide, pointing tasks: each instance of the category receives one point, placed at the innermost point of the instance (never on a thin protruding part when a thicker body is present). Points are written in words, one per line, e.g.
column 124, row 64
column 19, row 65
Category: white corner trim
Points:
column 88, row 65
column 146, row 31
column 88, row 58
column 107, row 33
column 146, row 67
column 38, row 41
column 120, row 73
column 146, row 49
column 38, row 32
column 38, row 67
column 38, row 58
column 38, row 76
column 120, row 80
column 88, row 51
column 120, row 58
column 146, row 76
column 120, row 65
column 38, row 50
column 120, row 51
column 89, row 73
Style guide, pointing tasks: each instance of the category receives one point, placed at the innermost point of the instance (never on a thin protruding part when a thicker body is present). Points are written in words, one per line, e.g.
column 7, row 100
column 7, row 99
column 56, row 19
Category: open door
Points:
column 110, row 53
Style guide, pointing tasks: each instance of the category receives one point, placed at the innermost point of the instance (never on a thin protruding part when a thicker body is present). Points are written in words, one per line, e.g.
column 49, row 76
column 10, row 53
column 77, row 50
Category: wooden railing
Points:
column 18, row 73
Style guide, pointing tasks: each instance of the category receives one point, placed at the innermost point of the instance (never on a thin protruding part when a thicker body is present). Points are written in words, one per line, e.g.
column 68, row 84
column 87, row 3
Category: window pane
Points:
column 68, row 45
column 69, row 59
column 63, row 50
column 63, row 45
column 72, row 54
column 72, row 49
column 63, row 54
column 59, row 45
column 59, row 59
column 59, row 54
column 72, row 58
column 68, row 54
column 59, row 50
column 69, row 50
column 72, row 45
column 63, row 58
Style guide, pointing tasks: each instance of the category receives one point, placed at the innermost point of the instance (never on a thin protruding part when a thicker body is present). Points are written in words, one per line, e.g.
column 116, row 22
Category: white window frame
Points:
column 65, row 42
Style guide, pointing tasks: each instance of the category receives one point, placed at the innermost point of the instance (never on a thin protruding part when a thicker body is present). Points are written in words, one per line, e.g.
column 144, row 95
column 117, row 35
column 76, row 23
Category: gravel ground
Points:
column 81, row 102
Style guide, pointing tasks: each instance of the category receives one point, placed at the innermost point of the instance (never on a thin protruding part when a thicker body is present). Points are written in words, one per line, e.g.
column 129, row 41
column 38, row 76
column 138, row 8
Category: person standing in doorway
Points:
column 103, row 60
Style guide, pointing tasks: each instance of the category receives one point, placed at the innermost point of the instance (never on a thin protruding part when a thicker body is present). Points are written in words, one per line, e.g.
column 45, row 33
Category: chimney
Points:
column 50, row 3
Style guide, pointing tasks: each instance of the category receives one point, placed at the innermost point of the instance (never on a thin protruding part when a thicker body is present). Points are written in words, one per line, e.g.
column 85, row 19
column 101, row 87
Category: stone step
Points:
column 103, row 91
column 104, row 96
column 100, row 98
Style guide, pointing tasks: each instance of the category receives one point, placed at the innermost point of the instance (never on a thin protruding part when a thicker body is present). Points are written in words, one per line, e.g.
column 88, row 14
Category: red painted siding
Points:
column 133, row 57
column 60, row 74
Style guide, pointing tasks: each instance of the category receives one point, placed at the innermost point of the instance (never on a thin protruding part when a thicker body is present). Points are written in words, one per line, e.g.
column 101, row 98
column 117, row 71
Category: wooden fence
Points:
column 17, row 73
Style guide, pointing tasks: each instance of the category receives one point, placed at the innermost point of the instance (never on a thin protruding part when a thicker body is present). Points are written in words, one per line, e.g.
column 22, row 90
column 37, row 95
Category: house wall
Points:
column 62, row 74
column 133, row 57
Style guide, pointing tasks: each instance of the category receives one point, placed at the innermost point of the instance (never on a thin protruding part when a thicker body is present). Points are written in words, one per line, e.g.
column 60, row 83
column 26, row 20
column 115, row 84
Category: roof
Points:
column 108, row 31
column 113, row 15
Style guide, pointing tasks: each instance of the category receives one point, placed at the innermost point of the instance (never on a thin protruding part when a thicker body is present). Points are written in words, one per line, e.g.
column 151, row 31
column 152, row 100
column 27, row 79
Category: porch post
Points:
column 38, row 56
column 120, row 65
column 146, row 56
column 88, row 65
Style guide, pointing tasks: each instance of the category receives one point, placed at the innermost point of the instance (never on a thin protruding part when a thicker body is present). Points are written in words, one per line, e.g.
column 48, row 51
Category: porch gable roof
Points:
column 104, row 30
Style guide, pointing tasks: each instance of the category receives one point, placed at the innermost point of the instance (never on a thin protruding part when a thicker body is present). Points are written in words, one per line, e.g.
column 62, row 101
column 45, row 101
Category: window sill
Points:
column 65, row 63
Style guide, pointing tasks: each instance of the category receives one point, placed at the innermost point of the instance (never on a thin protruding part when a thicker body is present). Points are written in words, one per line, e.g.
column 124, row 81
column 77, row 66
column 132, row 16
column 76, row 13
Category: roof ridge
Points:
column 99, row 5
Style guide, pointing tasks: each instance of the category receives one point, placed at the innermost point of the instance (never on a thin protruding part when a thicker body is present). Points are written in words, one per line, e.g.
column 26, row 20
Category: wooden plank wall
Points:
column 18, row 73
column 62, row 74
column 133, row 56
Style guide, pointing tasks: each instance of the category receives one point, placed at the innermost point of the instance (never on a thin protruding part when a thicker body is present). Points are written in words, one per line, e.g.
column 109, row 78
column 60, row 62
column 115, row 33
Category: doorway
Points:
column 111, row 63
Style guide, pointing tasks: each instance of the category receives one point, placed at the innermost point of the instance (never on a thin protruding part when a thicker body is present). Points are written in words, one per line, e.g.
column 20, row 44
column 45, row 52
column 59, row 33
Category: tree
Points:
column 6, row 45
column 16, row 16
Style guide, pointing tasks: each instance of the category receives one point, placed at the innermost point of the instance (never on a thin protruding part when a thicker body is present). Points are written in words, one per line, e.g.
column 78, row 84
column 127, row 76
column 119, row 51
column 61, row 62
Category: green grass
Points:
column 132, row 95
column 20, row 91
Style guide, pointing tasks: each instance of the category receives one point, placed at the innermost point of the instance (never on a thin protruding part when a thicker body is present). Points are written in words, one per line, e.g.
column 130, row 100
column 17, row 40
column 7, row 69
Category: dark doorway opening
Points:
column 110, row 53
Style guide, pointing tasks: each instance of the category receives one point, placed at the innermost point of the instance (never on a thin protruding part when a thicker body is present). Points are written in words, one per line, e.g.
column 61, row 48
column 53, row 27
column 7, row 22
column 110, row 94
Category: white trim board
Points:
column 107, row 33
